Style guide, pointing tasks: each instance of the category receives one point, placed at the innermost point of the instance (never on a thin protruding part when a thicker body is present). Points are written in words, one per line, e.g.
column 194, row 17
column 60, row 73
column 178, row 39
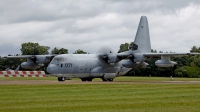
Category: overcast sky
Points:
column 90, row 24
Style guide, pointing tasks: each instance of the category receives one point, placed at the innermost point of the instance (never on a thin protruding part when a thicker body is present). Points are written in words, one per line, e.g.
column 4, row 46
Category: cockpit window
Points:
column 58, row 60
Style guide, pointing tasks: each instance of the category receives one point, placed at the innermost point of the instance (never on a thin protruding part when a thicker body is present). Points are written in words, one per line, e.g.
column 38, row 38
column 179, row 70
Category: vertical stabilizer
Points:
column 142, row 38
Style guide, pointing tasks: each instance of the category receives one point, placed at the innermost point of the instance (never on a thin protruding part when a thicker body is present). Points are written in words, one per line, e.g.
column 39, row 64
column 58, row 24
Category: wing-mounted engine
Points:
column 132, row 60
column 165, row 62
column 33, row 61
column 107, row 55
column 41, row 59
column 36, row 61
column 30, row 64
column 131, row 64
column 138, row 57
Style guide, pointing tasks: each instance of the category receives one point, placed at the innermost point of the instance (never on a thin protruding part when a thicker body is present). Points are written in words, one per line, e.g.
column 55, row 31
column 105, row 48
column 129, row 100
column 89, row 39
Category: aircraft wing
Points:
column 34, row 61
column 167, row 54
column 125, row 55
column 28, row 56
column 20, row 56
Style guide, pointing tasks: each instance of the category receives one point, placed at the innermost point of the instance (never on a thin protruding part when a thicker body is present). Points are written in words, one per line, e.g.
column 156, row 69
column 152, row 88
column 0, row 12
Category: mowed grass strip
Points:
column 100, row 97
column 121, row 78
column 29, row 78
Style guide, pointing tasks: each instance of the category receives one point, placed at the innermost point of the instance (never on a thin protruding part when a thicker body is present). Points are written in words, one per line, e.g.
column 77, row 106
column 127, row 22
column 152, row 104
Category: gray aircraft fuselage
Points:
column 84, row 66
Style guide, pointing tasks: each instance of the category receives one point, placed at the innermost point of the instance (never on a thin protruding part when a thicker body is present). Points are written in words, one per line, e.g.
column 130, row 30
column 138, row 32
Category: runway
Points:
column 32, row 82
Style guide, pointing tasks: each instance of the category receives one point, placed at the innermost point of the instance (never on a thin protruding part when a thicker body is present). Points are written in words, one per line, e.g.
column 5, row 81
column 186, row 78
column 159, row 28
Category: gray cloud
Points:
column 88, row 24
column 6, row 49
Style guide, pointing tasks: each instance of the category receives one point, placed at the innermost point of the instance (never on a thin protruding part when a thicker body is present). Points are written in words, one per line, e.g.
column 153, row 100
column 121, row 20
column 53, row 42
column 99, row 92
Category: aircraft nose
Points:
column 51, row 68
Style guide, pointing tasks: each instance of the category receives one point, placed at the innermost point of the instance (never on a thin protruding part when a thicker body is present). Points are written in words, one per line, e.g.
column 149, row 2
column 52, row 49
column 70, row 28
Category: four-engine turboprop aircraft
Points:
column 105, row 64
column 108, row 65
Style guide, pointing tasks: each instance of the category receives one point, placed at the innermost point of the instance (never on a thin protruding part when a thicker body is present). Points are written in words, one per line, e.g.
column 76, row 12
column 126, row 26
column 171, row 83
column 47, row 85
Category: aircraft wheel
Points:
column 83, row 79
column 89, row 79
column 103, row 79
column 61, row 79
column 110, row 80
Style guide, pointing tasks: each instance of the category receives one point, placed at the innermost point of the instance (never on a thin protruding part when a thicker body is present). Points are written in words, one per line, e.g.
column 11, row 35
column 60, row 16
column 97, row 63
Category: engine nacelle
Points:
column 165, row 63
column 113, row 58
column 29, row 65
column 138, row 57
column 130, row 64
column 142, row 65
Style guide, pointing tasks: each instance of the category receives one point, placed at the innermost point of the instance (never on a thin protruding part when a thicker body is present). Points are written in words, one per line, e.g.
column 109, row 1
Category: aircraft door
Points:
column 75, row 71
column 88, row 66
column 83, row 68
column 75, row 68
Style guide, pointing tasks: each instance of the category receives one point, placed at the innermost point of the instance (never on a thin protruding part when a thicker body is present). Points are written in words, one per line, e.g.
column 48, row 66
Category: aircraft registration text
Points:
column 68, row 65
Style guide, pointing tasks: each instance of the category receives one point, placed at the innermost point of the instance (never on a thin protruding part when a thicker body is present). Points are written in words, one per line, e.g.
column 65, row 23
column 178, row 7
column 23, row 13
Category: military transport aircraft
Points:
column 105, row 64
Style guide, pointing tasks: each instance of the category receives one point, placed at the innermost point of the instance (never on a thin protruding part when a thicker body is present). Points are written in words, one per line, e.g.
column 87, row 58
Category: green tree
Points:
column 125, row 47
column 187, row 71
column 195, row 49
column 59, row 51
column 11, row 63
column 33, row 49
column 153, row 51
column 79, row 52
column 194, row 61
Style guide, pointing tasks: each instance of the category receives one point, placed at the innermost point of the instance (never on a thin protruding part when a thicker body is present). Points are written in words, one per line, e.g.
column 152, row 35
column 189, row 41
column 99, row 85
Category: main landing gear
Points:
column 86, row 79
column 110, row 80
column 61, row 79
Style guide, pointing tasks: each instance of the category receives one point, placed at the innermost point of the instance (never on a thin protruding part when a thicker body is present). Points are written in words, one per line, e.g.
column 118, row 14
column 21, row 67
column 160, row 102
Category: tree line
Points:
column 32, row 49
column 188, row 66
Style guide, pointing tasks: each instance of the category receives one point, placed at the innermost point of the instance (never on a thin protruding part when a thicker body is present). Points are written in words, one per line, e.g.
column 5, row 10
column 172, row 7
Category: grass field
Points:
column 122, row 78
column 101, row 97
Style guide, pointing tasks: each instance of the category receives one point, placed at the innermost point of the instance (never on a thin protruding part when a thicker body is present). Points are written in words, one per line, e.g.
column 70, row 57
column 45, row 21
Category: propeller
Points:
column 107, row 54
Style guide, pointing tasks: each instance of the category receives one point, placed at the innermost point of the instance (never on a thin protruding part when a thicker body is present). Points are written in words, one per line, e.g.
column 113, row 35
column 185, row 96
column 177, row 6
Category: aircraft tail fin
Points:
column 142, row 38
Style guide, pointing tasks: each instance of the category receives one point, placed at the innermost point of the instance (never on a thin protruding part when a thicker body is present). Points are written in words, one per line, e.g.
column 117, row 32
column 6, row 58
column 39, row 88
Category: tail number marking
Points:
column 68, row 65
